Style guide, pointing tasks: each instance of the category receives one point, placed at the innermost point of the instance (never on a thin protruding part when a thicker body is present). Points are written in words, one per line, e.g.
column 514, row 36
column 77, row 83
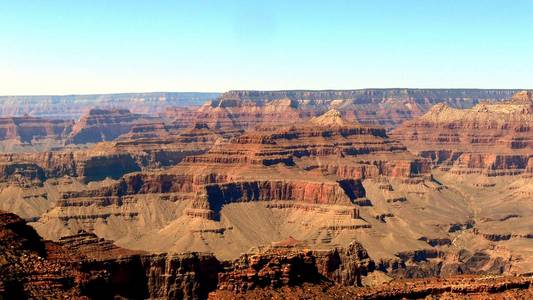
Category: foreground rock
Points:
column 28, row 133
column 84, row 266
column 104, row 125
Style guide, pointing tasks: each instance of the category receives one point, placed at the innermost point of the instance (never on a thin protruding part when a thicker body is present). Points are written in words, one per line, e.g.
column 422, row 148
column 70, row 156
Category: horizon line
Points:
column 253, row 90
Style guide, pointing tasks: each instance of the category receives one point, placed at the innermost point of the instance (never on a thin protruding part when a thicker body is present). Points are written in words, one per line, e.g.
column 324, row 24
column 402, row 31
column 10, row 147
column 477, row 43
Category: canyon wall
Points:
column 83, row 266
column 490, row 138
column 386, row 107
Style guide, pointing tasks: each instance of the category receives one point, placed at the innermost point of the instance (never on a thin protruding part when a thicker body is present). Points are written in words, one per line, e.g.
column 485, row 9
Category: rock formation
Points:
column 83, row 266
column 103, row 125
column 31, row 133
column 320, row 199
column 493, row 139
column 485, row 153
column 317, row 168
column 386, row 107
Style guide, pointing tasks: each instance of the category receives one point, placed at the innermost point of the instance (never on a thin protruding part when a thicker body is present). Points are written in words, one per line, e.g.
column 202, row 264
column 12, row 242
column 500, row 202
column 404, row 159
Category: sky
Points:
column 76, row 47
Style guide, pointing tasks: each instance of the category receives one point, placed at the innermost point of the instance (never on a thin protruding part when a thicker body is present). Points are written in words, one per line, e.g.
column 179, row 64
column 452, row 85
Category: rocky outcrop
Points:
column 27, row 267
column 103, row 125
column 386, row 107
column 156, row 144
column 86, row 165
column 329, row 138
column 316, row 167
column 83, row 266
column 27, row 129
column 492, row 139
column 86, row 267
column 32, row 134
column 345, row 266
column 271, row 270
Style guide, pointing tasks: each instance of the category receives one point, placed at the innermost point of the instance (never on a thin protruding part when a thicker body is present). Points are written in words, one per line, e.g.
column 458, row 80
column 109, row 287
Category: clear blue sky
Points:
column 62, row 47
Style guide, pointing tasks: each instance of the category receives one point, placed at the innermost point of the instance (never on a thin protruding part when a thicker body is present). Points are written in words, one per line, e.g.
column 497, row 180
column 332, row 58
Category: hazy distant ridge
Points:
column 72, row 106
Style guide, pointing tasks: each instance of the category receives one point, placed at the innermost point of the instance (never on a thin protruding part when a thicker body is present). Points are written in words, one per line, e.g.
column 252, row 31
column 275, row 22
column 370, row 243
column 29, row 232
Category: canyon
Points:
column 378, row 193
column 384, row 107
column 96, row 118
column 84, row 266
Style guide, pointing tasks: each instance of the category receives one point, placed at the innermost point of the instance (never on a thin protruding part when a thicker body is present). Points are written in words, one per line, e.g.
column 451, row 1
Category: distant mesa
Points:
column 489, row 138
column 104, row 125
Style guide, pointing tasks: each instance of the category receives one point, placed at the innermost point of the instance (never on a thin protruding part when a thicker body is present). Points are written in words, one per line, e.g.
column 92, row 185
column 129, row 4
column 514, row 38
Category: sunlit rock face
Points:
column 489, row 138
column 385, row 107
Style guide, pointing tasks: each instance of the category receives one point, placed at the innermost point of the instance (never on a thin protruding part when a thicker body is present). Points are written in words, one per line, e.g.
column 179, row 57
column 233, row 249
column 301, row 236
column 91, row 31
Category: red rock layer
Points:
column 319, row 162
column 86, row 267
column 386, row 107
column 464, row 287
column 83, row 266
column 494, row 139
column 103, row 125
column 146, row 145
column 26, row 129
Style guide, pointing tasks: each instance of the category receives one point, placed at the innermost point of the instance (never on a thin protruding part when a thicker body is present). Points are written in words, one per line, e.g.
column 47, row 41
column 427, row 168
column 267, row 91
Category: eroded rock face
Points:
column 85, row 164
column 210, row 186
column 147, row 145
column 84, row 266
column 25, row 129
column 25, row 270
column 485, row 154
column 386, row 107
column 156, row 144
column 103, row 125
column 28, row 133
column 314, row 168
column 493, row 139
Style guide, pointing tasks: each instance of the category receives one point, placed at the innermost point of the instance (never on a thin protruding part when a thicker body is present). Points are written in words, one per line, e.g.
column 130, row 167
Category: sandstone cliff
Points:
column 493, row 139
column 386, row 107
column 103, row 125
column 83, row 266
column 313, row 170
column 27, row 133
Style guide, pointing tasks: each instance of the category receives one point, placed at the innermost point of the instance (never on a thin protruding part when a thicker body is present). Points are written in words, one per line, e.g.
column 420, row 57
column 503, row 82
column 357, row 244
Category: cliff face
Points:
column 185, row 184
column 25, row 129
column 315, row 168
column 146, row 145
column 27, row 133
column 493, row 139
column 83, row 266
column 386, row 107
column 329, row 138
column 86, row 165
column 485, row 154
column 103, row 125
